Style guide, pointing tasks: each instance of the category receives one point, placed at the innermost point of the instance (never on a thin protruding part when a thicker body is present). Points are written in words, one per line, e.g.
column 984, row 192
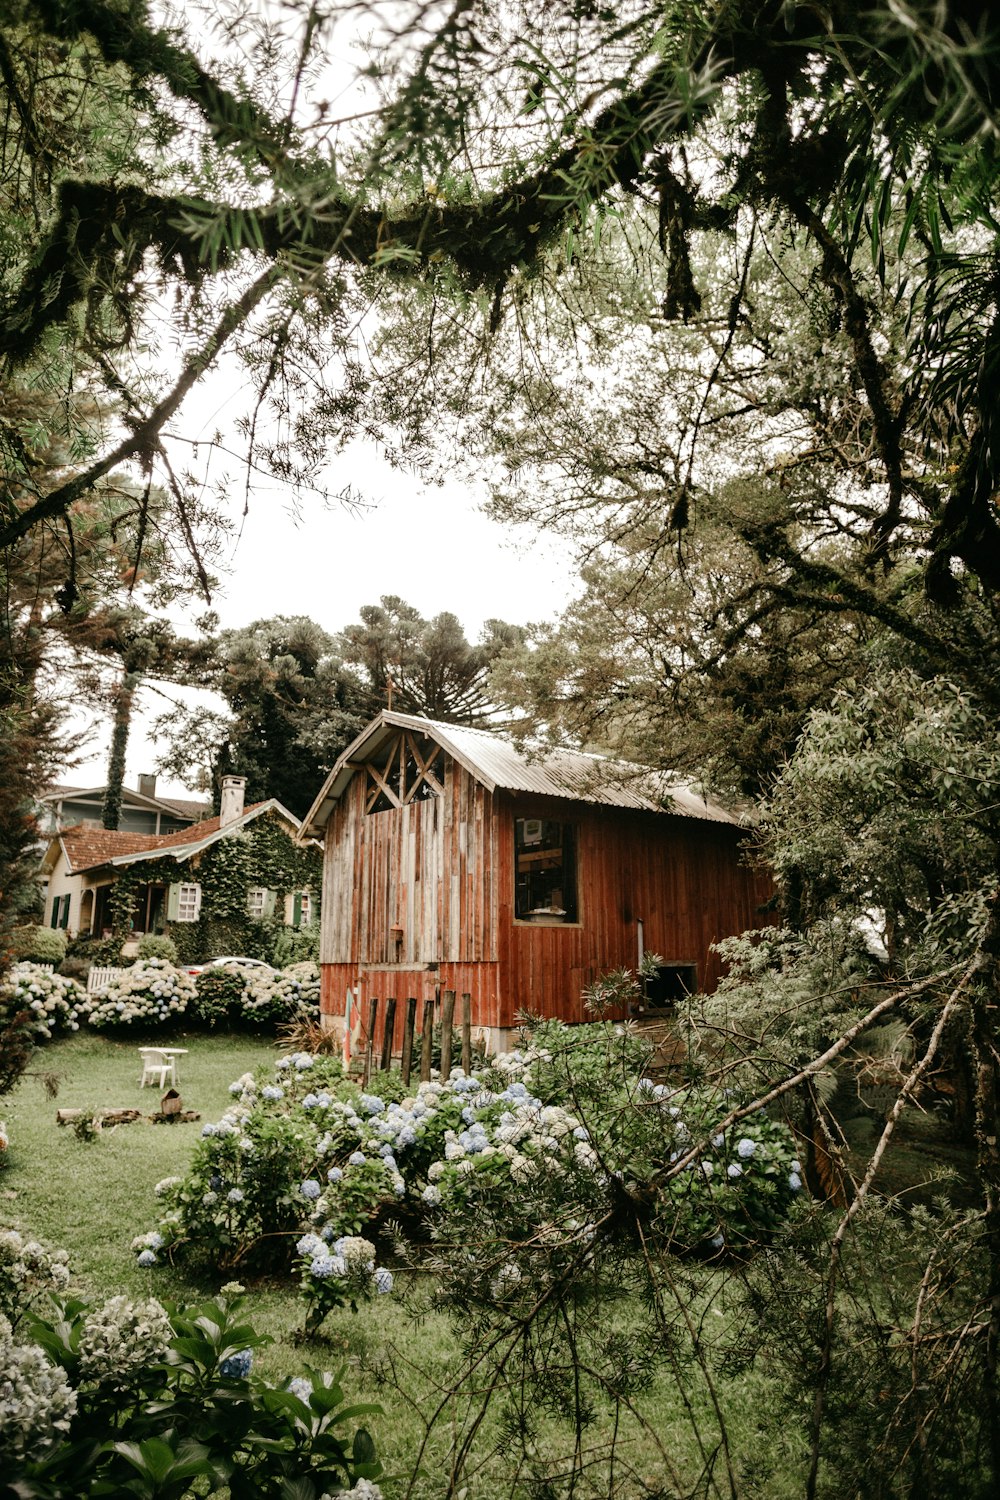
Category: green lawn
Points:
column 93, row 1198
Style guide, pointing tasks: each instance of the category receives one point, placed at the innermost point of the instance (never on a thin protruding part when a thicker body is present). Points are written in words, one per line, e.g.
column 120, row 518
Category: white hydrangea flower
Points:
column 122, row 1337
column 37, row 1404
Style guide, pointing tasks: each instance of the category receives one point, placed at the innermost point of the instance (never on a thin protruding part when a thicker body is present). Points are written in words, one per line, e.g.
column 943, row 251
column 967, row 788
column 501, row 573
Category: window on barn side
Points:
column 545, row 886
column 670, row 983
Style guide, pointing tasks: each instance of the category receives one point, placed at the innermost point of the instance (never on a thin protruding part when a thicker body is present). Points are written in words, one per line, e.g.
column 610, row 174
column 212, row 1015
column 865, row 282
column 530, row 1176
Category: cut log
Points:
column 104, row 1116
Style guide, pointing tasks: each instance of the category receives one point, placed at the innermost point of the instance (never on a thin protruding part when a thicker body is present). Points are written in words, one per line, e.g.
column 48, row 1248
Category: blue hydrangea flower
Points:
column 310, row 1189
column 272, row 1092
column 302, row 1061
column 146, row 1258
column 301, row 1387
column 734, row 1169
column 794, row 1181
column 309, row 1244
column 328, row 1265
column 746, row 1148
column 383, row 1280
column 357, row 1159
column 237, row 1366
column 334, row 1175
column 235, row 1195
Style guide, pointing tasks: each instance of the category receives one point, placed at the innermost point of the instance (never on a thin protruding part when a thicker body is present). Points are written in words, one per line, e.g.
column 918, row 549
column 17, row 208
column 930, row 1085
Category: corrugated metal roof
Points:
column 498, row 762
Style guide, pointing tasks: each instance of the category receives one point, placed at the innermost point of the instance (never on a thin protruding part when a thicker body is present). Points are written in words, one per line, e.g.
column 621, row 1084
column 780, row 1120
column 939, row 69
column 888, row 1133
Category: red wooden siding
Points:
column 682, row 877
column 419, row 899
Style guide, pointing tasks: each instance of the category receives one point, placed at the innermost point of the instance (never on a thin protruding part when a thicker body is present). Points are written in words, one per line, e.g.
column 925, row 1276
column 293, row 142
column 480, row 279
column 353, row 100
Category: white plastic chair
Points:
column 157, row 1067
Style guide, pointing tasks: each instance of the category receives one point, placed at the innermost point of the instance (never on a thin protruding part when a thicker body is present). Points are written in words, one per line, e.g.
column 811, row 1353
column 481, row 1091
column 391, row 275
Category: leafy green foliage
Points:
column 38, row 945
column 156, row 1400
column 157, row 945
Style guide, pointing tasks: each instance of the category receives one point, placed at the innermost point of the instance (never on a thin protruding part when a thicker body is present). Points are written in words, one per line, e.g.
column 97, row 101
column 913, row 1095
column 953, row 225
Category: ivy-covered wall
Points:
column 262, row 854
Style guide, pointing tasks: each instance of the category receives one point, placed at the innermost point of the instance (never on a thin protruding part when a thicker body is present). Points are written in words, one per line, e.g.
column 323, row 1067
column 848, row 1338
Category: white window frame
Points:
column 188, row 901
column 257, row 902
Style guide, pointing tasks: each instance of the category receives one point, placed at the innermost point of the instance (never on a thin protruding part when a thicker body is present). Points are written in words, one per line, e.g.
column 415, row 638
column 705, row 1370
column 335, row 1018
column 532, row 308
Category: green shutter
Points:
column 297, row 910
column 55, row 911
column 268, row 908
column 65, row 911
column 173, row 902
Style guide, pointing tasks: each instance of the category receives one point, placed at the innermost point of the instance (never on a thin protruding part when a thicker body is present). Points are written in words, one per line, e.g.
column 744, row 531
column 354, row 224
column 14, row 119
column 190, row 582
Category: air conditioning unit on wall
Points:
column 532, row 831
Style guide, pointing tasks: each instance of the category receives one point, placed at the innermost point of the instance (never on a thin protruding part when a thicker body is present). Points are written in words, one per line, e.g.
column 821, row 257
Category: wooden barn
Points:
column 456, row 861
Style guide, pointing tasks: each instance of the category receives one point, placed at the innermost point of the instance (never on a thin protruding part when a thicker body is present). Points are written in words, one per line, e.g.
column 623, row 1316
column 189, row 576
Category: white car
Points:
column 229, row 958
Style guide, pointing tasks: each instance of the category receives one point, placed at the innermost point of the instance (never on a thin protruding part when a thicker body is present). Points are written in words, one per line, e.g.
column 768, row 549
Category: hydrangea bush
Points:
column 152, row 993
column 304, row 1160
column 29, row 1273
column 272, row 997
column 56, row 1004
column 146, row 1398
column 219, row 994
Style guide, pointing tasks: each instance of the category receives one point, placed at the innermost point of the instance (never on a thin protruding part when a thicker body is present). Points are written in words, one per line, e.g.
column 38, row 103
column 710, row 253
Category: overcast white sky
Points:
column 433, row 546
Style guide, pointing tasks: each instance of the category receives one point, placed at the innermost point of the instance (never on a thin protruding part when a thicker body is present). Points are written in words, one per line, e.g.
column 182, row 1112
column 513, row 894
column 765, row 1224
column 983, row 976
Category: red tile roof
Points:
column 86, row 847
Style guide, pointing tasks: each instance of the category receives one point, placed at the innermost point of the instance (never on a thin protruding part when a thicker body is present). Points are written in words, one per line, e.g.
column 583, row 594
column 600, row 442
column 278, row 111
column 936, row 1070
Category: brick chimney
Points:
column 231, row 804
column 147, row 784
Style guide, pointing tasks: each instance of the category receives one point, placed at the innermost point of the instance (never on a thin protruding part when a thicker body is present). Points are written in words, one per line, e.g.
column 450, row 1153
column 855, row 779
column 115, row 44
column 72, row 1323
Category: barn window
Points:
column 409, row 768
column 545, row 871
column 670, row 983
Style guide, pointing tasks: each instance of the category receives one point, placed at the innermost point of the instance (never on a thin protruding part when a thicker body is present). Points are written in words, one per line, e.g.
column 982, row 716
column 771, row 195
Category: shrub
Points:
column 54, row 1003
column 95, row 950
column 150, row 993
column 293, row 945
column 157, row 945
column 273, row 997
column 37, row 945
column 147, row 1398
column 219, row 993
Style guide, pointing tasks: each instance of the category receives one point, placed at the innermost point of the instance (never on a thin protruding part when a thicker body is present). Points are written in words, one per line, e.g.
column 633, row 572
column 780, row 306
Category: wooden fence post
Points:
column 370, row 1040
column 447, row 1023
column 408, row 1021
column 467, row 1033
column 388, row 1027
column 427, row 1042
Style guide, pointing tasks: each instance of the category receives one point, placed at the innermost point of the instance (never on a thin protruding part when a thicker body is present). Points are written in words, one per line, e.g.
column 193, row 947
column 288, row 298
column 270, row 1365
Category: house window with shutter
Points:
column 260, row 902
column 301, row 909
column 184, row 902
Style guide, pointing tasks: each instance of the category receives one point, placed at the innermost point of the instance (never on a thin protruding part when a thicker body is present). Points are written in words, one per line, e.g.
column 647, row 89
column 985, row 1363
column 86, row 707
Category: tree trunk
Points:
column 112, row 810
